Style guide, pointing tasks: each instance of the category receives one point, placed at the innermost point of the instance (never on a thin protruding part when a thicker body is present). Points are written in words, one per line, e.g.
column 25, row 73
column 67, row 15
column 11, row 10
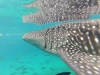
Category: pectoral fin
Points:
column 82, row 63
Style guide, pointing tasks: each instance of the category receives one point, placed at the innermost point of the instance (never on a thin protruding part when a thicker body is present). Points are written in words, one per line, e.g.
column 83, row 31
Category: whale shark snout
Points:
column 35, row 38
column 29, row 36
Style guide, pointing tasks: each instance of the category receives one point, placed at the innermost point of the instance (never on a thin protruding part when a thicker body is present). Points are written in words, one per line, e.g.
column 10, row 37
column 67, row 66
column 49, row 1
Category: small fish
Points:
column 78, row 44
column 19, row 68
column 64, row 73
column 23, row 72
column 62, row 10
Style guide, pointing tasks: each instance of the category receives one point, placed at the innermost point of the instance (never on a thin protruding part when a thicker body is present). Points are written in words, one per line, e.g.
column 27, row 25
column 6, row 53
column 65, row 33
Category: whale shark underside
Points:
column 78, row 44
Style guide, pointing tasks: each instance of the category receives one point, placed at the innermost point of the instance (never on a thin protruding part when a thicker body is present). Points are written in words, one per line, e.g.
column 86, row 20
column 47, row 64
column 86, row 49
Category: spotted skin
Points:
column 77, row 43
column 62, row 10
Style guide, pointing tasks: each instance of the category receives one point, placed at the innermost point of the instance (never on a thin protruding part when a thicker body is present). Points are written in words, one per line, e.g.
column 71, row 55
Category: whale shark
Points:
column 77, row 43
column 61, row 10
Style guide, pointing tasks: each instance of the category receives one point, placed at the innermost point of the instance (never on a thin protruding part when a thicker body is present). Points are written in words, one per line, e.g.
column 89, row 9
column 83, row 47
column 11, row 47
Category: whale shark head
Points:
column 41, row 39
column 35, row 38
column 78, row 44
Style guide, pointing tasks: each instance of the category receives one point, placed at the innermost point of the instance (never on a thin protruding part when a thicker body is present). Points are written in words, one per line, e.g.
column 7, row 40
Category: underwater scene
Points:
column 17, row 57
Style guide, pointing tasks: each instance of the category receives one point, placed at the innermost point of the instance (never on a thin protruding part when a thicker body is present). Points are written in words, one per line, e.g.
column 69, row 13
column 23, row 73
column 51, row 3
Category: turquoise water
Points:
column 18, row 57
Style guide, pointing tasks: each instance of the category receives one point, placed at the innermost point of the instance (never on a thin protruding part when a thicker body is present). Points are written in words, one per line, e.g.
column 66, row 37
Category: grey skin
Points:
column 62, row 10
column 78, row 44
